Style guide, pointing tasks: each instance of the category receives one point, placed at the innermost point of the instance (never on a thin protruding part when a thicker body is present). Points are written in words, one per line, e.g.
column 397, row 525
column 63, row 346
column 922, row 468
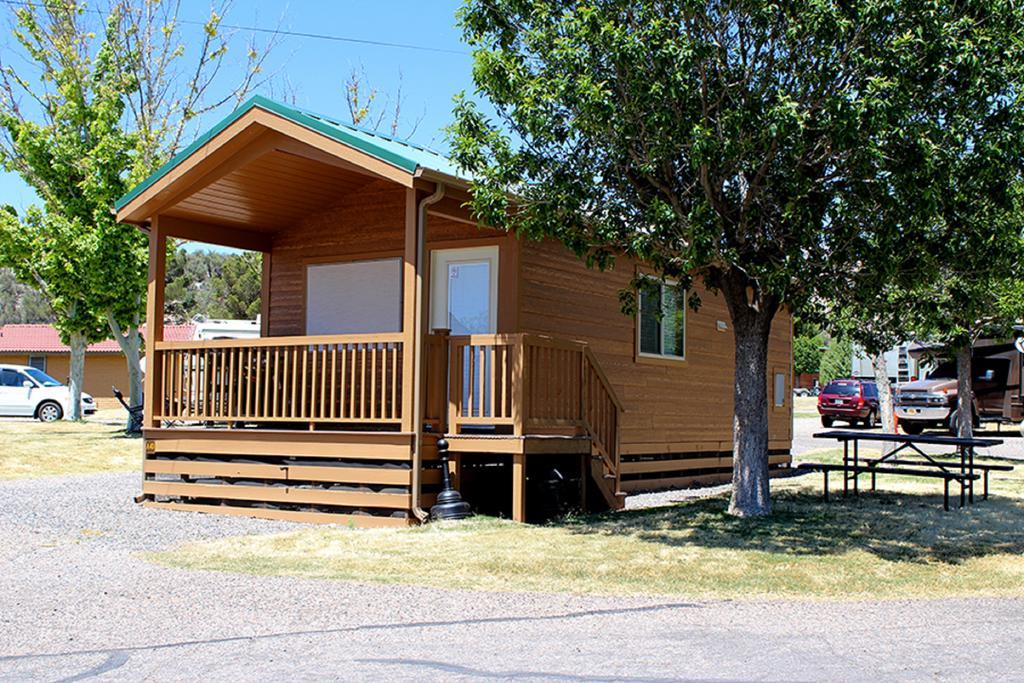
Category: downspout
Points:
column 417, row 359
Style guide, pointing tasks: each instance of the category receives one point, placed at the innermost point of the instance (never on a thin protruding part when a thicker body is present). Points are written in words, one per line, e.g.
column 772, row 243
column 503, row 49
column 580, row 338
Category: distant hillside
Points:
column 20, row 303
column 213, row 285
column 206, row 283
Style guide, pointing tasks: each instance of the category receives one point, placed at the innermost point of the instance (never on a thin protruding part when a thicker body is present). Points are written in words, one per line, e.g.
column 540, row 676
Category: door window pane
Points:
column 469, row 293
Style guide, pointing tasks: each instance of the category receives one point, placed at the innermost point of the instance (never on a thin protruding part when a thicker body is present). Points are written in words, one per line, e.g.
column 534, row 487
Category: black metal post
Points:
column 846, row 466
column 449, row 502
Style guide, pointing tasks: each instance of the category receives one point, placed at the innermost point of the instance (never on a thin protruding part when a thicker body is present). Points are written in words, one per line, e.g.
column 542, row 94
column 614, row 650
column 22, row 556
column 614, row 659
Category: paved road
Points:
column 77, row 601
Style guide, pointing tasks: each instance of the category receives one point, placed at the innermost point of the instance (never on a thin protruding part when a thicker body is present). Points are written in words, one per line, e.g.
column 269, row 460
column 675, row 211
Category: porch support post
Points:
column 411, row 282
column 265, row 297
column 154, row 319
column 519, row 487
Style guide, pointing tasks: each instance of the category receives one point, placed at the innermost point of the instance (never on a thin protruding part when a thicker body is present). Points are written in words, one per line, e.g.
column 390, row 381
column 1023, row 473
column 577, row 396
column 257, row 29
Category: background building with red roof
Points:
column 39, row 346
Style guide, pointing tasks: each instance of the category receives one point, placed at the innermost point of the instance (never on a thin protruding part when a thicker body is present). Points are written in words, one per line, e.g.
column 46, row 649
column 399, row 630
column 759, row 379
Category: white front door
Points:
column 464, row 290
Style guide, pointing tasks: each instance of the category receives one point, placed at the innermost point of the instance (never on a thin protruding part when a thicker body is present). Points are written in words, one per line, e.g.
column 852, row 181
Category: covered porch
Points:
column 364, row 360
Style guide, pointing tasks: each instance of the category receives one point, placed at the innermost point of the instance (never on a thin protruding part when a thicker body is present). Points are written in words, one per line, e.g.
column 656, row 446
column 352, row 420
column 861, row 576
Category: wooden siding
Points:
column 679, row 407
column 368, row 224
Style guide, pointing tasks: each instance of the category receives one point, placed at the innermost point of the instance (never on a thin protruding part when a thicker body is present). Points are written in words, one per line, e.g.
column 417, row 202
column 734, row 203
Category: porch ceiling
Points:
column 266, row 165
column 269, row 193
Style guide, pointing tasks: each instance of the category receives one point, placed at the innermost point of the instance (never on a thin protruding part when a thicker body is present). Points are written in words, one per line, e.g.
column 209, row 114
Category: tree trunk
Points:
column 78, row 343
column 131, row 347
column 751, row 314
column 750, row 492
column 885, row 403
column 964, row 392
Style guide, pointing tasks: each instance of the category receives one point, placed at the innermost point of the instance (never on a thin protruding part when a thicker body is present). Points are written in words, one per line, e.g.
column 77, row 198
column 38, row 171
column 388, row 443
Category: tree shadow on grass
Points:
column 896, row 527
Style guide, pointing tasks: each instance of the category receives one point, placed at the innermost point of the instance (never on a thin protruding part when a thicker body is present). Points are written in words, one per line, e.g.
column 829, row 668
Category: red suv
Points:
column 853, row 400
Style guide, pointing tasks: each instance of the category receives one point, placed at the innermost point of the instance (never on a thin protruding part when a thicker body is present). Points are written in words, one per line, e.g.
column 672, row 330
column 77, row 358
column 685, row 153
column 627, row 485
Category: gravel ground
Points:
column 77, row 602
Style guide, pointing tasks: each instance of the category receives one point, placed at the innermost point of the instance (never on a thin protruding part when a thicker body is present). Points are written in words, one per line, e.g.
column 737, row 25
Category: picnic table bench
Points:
column 964, row 472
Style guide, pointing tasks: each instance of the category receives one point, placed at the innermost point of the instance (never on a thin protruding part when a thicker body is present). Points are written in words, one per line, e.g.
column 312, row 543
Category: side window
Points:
column 780, row 389
column 37, row 362
column 662, row 321
column 11, row 378
column 871, row 390
column 991, row 370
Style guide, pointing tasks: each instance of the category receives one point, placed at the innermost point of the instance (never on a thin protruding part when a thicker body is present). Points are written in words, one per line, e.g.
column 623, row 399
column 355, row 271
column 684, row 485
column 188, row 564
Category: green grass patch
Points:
column 891, row 544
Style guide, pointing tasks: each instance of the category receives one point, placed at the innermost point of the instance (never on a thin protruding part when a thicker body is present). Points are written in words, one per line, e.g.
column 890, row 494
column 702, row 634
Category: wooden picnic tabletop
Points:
column 848, row 435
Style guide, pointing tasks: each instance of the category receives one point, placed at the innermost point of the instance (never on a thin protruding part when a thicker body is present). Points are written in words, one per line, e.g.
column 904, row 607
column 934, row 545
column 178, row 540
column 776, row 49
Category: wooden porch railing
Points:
column 532, row 384
column 320, row 379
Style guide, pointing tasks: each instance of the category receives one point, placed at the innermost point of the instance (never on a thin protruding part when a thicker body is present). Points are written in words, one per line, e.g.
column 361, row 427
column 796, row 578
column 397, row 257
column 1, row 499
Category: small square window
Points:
column 662, row 320
column 780, row 389
column 37, row 362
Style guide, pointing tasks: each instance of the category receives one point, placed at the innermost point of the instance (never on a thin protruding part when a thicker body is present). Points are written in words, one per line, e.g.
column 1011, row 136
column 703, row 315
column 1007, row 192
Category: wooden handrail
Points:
column 319, row 379
column 604, row 379
column 534, row 383
column 281, row 341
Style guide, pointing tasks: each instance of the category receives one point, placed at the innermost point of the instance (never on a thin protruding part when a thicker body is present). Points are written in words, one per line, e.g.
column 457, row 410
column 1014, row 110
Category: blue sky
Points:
column 316, row 70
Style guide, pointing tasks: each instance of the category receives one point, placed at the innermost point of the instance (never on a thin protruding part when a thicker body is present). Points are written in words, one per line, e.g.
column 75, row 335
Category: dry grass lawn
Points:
column 34, row 449
column 805, row 406
column 893, row 544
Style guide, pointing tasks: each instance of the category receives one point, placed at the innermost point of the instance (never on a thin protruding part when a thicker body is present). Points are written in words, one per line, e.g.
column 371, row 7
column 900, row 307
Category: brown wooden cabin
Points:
column 390, row 318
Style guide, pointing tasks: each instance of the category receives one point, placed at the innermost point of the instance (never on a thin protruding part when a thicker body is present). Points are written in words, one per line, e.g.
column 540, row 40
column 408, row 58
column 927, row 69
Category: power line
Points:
column 295, row 34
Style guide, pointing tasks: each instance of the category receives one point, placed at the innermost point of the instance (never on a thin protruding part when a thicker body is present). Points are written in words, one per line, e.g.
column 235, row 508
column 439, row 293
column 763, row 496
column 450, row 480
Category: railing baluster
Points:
column 277, row 377
column 322, row 408
column 304, row 373
column 362, row 382
column 334, row 376
column 312, row 382
column 393, row 413
column 373, row 381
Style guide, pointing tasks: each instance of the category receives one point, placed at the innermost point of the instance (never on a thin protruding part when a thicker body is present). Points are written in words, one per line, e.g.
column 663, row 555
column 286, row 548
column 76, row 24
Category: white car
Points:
column 28, row 392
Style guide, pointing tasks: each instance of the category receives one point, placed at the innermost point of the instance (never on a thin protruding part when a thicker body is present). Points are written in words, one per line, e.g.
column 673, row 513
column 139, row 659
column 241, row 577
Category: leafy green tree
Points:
column 190, row 288
column 21, row 303
column 45, row 249
column 237, row 290
column 89, row 108
column 976, row 245
column 949, row 265
column 213, row 285
column 964, row 306
column 837, row 361
column 736, row 141
column 807, row 354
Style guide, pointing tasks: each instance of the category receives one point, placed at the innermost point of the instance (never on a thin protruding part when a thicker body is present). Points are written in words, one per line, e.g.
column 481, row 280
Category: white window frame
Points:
column 661, row 337
column 439, row 261
column 31, row 358
column 779, row 394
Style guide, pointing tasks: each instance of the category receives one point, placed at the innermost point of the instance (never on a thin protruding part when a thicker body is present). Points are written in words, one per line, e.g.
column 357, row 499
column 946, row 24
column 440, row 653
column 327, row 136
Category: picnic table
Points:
column 965, row 472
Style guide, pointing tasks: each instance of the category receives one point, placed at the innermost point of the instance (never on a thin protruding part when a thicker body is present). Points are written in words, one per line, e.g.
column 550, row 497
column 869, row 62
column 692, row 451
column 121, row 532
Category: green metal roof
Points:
column 399, row 153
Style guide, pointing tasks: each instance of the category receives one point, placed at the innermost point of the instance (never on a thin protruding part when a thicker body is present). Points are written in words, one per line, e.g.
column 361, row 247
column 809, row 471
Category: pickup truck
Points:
column 996, row 382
